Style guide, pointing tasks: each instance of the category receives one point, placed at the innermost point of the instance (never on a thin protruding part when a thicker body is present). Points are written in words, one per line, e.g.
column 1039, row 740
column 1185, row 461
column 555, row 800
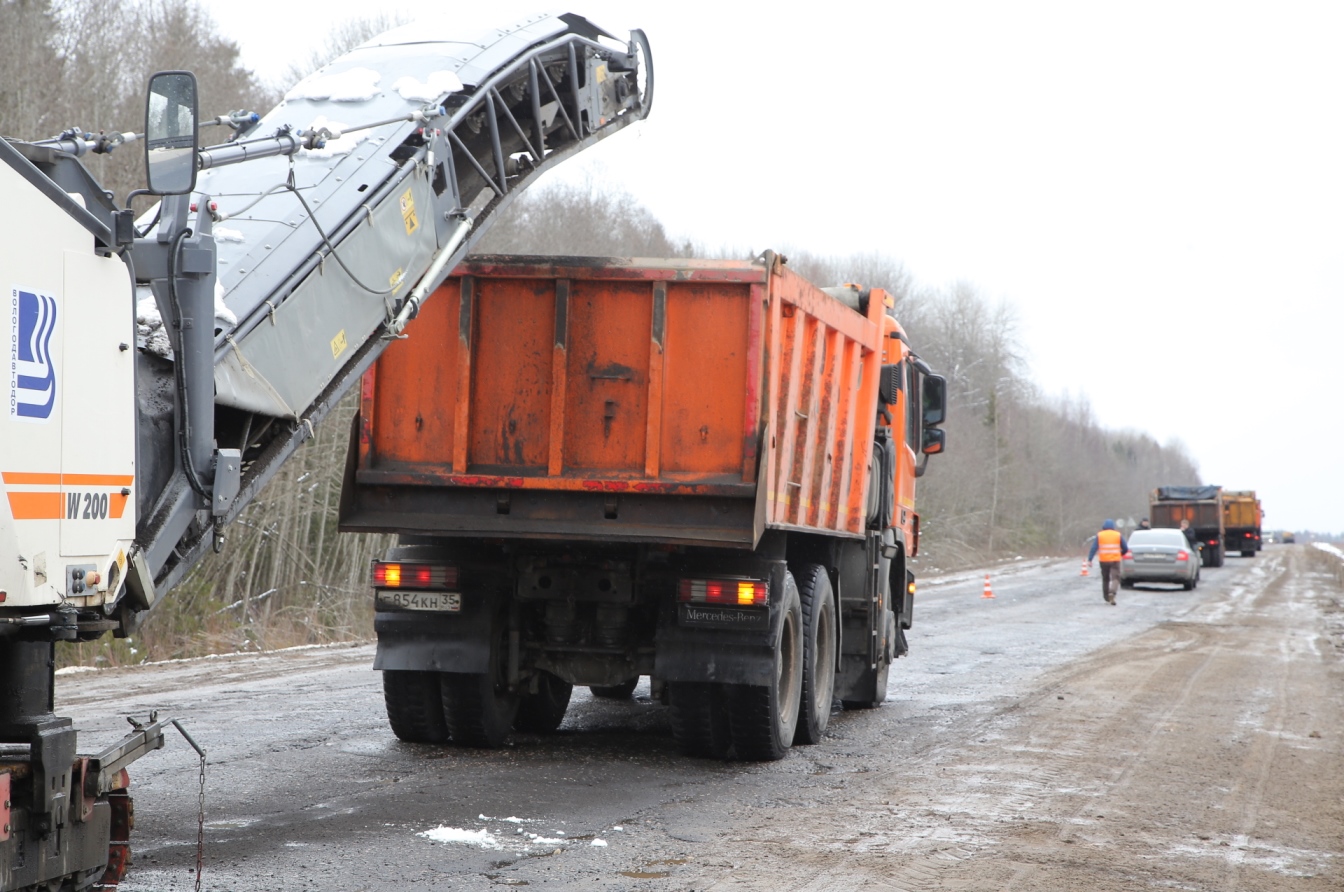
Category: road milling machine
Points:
column 158, row 371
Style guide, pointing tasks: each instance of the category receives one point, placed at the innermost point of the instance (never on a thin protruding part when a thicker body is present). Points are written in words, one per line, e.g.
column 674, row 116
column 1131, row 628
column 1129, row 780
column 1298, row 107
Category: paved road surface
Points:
column 1039, row 740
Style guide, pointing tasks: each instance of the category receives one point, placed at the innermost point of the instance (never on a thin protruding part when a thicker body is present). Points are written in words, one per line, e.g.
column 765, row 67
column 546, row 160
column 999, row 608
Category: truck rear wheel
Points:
column 699, row 719
column 818, row 606
column 477, row 711
column 623, row 691
column 871, row 690
column 542, row 712
column 764, row 718
column 414, row 706
column 478, row 706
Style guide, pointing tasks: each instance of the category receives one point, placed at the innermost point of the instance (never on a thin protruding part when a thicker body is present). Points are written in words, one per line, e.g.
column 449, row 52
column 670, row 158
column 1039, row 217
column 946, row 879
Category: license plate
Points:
column 447, row 602
column 1153, row 557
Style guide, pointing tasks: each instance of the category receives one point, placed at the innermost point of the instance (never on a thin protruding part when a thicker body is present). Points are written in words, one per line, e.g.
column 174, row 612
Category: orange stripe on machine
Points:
column 35, row 505
column 25, row 478
column 81, row 496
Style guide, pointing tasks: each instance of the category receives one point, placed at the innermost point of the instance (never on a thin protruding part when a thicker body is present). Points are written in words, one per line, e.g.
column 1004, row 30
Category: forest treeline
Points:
column 1024, row 472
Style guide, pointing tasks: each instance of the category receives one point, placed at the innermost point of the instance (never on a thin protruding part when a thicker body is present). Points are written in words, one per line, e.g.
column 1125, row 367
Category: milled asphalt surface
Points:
column 307, row 787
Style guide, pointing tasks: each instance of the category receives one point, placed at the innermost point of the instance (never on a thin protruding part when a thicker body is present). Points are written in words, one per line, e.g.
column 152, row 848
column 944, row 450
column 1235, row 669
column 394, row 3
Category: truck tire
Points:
column 478, row 706
column 542, row 712
column 699, row 719
column 764, row 718
column 818, row 606
column 414, row 706
column 872, row 686
column 623, row 691
column 1218, row 555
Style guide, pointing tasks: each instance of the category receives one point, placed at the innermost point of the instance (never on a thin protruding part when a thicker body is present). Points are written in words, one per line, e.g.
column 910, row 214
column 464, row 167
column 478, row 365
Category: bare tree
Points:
column 342, row 38
column 581, row 219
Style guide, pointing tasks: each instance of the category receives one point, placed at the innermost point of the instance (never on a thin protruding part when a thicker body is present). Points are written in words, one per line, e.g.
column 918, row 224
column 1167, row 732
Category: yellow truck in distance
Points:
column 1241, row 522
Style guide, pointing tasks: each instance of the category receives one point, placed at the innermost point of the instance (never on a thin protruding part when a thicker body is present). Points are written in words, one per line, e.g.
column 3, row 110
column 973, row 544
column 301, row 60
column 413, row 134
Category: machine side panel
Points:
column 98, row 449
column 56, row 288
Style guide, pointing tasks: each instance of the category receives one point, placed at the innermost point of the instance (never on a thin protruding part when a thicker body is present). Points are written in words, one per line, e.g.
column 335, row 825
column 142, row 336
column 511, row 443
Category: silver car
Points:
column 1160, row 556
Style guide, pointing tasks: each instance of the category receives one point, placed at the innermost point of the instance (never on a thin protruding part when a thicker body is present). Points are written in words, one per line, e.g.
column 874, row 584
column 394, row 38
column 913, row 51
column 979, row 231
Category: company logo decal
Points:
column 723, row 617
column 31, row 371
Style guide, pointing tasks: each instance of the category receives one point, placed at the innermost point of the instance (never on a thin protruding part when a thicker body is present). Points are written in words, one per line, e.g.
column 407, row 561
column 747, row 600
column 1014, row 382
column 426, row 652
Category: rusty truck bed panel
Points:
column 595, row 380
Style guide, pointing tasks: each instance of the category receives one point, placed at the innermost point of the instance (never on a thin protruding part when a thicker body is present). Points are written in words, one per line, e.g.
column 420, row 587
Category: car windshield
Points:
column 1157, row 537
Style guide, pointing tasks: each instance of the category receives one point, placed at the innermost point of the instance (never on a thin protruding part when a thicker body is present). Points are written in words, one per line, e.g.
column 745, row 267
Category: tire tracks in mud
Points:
column 1147, row 762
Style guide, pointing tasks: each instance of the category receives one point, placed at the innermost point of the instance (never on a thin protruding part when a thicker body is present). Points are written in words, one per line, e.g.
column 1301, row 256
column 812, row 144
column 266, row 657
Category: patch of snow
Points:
column 1329, row 549
column 352, row 85
column 543, row 840
column 225, row 234
column 600, row 843
column 224, row 317
column 483, row 838
column 76, row 670
column 430, row 89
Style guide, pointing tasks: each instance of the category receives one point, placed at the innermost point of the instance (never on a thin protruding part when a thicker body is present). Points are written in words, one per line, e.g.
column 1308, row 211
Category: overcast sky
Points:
column 1158, row 188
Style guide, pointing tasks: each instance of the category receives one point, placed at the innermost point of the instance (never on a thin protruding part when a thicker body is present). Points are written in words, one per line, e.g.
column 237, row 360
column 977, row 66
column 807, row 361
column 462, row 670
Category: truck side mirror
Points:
column 935, row 439
column 935, row 401
column 170, row 133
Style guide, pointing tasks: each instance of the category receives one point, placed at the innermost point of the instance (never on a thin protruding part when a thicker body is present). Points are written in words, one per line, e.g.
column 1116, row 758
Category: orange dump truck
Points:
column 699, row 471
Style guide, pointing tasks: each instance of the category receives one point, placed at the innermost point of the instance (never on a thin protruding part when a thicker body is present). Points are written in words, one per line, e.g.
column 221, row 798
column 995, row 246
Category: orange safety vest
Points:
column 1108, row 546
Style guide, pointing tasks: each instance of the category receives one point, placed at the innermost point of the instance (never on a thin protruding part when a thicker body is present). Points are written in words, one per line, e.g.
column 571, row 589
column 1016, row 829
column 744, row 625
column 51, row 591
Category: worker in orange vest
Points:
column 1109, row 547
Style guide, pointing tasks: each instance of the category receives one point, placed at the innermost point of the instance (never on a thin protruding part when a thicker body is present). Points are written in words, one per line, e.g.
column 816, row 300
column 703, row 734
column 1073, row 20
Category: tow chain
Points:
column 200, row 805
column 200, row 827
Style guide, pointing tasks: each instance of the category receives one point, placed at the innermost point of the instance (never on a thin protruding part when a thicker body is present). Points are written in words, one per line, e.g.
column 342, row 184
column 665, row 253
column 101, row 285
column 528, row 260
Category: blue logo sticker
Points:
column 32, row 372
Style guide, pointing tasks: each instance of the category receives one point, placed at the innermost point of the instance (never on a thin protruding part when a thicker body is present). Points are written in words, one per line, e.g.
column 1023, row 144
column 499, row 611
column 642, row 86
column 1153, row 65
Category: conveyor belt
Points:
column 398, row 205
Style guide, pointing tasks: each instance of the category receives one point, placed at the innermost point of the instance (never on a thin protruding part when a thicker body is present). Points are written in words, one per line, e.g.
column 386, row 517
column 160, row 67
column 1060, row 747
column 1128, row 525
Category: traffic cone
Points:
column 989, row 592
column 1086, row 569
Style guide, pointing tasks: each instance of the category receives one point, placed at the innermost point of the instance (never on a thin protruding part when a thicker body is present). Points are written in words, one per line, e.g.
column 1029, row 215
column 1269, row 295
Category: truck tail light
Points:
column 1182, row 555
column 734, row 592
column 394, row 574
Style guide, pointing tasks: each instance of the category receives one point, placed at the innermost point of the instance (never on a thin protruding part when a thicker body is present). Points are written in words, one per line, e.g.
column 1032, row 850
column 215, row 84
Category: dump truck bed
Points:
column 1241, row 510
column 682, row 401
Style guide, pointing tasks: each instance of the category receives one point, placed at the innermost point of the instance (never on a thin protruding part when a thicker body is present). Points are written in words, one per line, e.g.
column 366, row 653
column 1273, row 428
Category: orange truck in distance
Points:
column 600, row 469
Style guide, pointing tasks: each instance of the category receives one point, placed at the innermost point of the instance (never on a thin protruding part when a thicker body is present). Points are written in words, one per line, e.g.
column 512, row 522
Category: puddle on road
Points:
column 647, row 874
